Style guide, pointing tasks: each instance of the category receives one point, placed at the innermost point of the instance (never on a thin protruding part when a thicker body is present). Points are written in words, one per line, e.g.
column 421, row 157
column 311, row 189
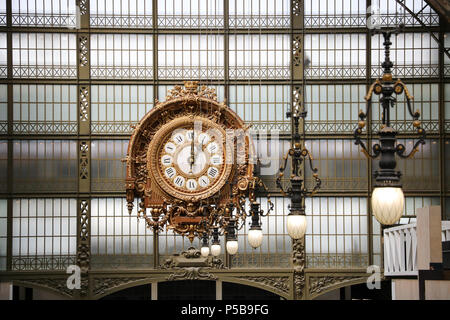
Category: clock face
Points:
column 191, row 160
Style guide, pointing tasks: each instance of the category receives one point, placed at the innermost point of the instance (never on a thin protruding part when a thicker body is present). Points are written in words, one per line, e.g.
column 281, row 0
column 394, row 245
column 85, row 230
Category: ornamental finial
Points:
column 191, row 86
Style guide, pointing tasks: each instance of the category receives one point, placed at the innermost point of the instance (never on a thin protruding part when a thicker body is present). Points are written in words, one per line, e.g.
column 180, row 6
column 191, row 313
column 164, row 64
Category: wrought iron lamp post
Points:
column 205, row 245
column 255, row 234
column 215, row 245
column 204, row 250
column 296, row 220
column 232, row 243
column 387, row 196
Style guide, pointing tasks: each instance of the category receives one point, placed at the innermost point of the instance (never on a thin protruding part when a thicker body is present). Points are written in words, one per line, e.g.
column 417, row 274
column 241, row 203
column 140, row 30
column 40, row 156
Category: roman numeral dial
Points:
column 191, row 160
column 170, row 172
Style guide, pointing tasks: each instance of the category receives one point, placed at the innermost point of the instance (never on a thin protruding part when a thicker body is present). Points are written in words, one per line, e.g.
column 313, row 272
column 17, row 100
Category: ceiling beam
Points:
column 442, row 7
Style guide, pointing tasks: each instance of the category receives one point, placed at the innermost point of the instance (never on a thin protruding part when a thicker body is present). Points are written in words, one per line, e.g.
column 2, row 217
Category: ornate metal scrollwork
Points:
column 320, row 284
column 191, row 273
column 103, row 285
column 299, row 262
column 298, row 154
column 386, row 88
column 280, row 283
column 388, row 147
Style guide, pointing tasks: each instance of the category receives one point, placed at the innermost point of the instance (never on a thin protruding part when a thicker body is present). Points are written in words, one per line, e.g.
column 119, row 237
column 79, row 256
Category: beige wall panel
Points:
column 429, row 246
column 437, row 290
column 405, row 289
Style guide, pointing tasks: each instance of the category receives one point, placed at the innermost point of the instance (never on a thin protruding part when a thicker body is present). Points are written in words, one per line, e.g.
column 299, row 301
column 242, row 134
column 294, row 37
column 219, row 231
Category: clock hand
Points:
column 192, row 151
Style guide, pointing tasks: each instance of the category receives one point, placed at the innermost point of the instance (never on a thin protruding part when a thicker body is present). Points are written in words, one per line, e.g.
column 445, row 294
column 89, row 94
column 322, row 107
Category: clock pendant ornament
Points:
column 188, row 161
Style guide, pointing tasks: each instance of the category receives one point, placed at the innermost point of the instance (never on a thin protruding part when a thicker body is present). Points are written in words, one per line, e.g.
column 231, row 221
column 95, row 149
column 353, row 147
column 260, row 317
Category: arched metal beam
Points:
column 123, row 284
column 337, row 285
column 440, row 6
column 41, row 286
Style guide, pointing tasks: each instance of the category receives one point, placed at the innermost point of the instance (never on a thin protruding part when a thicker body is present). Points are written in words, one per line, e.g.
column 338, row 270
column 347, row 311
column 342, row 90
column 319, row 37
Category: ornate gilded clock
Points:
column 188, row 160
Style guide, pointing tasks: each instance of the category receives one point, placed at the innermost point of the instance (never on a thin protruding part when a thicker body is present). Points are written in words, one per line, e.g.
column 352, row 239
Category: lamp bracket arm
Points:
column 281, row 174
column 271, row 205
column 400, row 87
column 310, row 160
column 415, row 114
column 369, row 94
column 269, row 210
column 241, row 225
column 314, row 171
column 269, row 202
column 400, row 149
column 376, row 147
column 240, row 209
column 317, row 186
column 362, row 123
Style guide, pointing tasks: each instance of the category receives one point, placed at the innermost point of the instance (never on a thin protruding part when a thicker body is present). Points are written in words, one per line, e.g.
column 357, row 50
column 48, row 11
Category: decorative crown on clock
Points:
column 191, row 86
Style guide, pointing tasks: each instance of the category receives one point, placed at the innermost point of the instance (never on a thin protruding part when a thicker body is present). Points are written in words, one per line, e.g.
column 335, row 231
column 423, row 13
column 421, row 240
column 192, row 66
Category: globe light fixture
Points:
column 387, row 204
column 232, row 243
column 204, row 251
column 296, row 225
column 387, row 196
column 255, row 237
column 255, row 234
column 256, row 185
column 215, row 246
column 232, row 247
column 215, row 249
column 296, row 220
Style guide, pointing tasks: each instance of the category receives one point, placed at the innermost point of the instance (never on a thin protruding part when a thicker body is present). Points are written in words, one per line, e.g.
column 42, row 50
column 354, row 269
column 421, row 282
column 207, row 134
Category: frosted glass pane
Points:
column 44, row 55
column 42, row 226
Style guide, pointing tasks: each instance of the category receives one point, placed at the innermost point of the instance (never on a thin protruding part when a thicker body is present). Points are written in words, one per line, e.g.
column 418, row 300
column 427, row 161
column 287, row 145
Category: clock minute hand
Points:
column 192, row 151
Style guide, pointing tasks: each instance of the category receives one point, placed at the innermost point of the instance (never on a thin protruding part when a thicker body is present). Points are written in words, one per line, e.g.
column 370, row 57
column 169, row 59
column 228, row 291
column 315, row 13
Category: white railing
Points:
column 400, row 249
